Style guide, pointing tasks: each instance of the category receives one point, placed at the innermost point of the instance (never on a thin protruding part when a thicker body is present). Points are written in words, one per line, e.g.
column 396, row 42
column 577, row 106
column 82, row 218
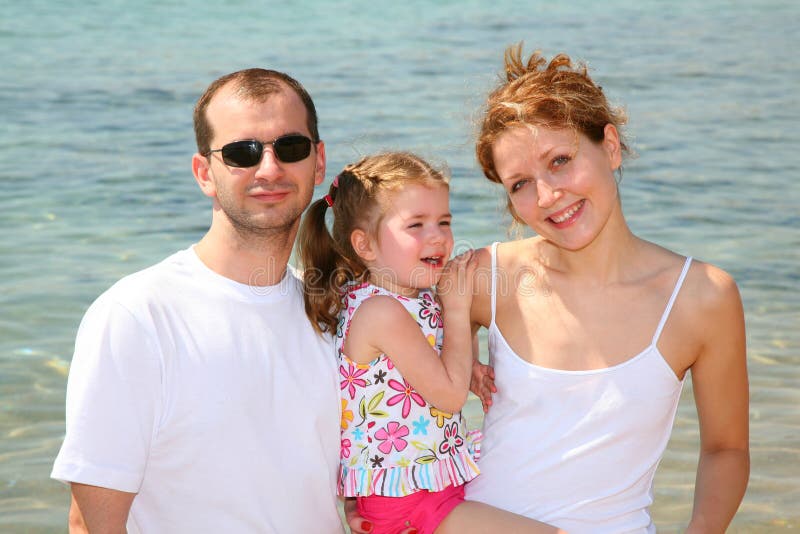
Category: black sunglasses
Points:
column 288, row 149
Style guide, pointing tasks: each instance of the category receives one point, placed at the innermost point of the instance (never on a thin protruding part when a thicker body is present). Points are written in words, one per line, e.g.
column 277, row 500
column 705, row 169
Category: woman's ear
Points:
column 612, row 146
column 362, row 244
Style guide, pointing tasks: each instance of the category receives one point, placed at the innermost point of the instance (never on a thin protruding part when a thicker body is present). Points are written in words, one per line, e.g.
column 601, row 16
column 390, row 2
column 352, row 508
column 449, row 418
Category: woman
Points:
column 591, row 328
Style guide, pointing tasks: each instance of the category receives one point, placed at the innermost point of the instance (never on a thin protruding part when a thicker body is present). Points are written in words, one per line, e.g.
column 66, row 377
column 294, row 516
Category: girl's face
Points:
column 413, row 240
column 560, row 183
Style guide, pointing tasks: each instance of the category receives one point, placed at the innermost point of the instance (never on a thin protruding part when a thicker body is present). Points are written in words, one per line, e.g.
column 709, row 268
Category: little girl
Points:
column 404, row 366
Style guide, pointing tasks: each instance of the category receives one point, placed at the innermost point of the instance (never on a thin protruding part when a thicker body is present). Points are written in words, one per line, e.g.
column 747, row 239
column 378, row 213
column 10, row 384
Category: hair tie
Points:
column 335, row 184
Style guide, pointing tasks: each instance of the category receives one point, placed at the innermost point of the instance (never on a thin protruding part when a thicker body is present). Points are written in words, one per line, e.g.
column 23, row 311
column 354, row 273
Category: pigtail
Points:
column 321, row 261
column 357, row 197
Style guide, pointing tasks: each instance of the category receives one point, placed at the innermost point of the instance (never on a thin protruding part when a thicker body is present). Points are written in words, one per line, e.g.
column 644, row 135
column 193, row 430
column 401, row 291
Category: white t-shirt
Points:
column 214, row 401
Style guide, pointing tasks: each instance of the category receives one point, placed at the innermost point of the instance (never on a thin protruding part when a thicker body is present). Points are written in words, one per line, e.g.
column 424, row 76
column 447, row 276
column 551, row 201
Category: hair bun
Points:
column 516, row 68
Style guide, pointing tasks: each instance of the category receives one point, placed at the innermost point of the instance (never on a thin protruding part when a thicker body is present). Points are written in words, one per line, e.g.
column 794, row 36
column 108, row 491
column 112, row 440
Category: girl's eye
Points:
column 558, row 161
column 415, row 225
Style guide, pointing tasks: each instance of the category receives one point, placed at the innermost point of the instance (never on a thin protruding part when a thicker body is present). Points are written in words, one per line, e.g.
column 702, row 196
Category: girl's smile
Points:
column 414, row 239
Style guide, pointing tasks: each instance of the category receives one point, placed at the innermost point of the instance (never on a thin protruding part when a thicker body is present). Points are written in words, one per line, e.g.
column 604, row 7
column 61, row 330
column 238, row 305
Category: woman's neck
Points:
column 604, row 261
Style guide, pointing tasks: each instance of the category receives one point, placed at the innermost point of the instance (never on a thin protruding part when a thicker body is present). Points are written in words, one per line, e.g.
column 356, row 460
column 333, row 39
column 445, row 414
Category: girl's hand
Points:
column 454, row 288
column 482, row 383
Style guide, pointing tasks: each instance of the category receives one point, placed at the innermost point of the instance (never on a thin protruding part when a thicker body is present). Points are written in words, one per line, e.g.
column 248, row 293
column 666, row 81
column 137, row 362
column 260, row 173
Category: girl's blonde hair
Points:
column 556, row 95
column 359, row 197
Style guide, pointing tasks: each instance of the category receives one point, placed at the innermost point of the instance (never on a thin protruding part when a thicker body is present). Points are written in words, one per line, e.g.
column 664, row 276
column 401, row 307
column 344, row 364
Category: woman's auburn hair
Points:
column 555, row 94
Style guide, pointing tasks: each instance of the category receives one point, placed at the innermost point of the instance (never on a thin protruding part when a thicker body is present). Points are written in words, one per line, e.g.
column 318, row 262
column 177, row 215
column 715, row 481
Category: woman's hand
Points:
column 482, row 383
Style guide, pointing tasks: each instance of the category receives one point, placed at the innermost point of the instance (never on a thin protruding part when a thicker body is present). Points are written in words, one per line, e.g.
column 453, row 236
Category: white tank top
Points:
column 577, row 449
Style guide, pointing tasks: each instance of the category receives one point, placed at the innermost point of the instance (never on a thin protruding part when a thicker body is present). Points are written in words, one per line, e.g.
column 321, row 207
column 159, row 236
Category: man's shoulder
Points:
column 151, row 283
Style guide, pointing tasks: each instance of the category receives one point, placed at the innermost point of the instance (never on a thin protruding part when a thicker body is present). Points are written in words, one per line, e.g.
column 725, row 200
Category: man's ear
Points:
column 319, row 164
column 201, row 168
column 362, row 244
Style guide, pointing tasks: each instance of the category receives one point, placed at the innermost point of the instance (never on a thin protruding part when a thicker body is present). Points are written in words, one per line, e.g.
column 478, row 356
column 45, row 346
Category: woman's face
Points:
column 559, row 182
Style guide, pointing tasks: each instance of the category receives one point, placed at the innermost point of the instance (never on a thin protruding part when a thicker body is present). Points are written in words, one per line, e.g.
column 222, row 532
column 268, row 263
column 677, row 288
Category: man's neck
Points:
column 251, row 260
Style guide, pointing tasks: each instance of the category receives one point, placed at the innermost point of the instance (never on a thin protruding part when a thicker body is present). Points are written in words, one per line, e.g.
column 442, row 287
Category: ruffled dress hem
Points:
column 455, row 470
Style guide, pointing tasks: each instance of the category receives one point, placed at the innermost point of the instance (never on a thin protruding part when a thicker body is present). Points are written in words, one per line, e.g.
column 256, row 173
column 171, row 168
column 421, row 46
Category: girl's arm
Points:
column 382, row 325
column 719, row 378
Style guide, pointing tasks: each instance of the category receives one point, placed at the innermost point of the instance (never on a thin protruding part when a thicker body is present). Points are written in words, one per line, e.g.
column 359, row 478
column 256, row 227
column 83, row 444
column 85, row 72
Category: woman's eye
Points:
column 517, row 185
column 444, row 223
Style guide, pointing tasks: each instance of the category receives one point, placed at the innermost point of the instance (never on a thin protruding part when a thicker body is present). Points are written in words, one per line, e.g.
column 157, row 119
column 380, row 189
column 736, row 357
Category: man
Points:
column 199, row 398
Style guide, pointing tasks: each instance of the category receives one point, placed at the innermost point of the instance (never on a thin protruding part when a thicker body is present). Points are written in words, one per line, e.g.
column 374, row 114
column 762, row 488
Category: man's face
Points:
column 268, row 198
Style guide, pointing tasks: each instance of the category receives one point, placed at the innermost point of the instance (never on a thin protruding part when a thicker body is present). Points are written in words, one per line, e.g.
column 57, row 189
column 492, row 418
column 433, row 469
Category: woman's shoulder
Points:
column 711, row 287
column 707, row 315
column 511, row 256
column 508, row 252
column 707, row 286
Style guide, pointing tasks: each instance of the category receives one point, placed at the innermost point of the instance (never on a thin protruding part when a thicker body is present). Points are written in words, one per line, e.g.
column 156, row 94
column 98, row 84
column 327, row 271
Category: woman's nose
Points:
column 547, row 194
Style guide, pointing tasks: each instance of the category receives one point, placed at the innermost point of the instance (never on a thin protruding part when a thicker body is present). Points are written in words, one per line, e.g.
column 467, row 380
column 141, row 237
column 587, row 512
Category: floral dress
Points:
column 393, row 442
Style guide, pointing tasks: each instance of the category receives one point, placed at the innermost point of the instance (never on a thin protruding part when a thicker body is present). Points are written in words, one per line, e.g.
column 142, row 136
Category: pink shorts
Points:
column 423, row 510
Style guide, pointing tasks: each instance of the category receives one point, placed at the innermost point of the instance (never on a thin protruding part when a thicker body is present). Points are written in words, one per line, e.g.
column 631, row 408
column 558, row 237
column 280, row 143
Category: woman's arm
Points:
column 719, row 378
column 482, row 380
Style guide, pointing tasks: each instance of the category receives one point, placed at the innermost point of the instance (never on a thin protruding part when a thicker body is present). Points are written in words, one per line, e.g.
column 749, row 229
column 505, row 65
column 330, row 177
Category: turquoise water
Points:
column 95, row 178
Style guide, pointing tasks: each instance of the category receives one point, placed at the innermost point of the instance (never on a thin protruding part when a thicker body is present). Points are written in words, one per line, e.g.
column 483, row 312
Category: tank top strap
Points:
column 494, row 280
column 672, row 298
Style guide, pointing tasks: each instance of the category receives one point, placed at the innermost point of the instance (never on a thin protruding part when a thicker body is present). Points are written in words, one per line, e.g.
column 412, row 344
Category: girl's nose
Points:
column 438, row 235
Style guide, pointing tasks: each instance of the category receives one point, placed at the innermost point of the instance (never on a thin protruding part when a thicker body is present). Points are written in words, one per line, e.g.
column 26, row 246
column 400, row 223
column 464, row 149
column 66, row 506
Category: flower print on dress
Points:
column 440, row 416
column 340, row 326
column 347, row 415
column 351, row 378
column 345, row 453
column 429, row 310
column 406, row 396
column 421, row 426
column 452, row 441
column 394, row 433
column 432, row 342
column 392, row 436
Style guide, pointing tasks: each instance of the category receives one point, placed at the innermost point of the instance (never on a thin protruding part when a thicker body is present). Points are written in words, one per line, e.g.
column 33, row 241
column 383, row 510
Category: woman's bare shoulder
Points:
column 510, row 254
column 519, row 252
column 711, row 287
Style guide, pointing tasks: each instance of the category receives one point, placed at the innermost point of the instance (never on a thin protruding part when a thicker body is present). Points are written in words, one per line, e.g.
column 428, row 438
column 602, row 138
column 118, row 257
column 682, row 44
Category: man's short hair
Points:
column 255, row 85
